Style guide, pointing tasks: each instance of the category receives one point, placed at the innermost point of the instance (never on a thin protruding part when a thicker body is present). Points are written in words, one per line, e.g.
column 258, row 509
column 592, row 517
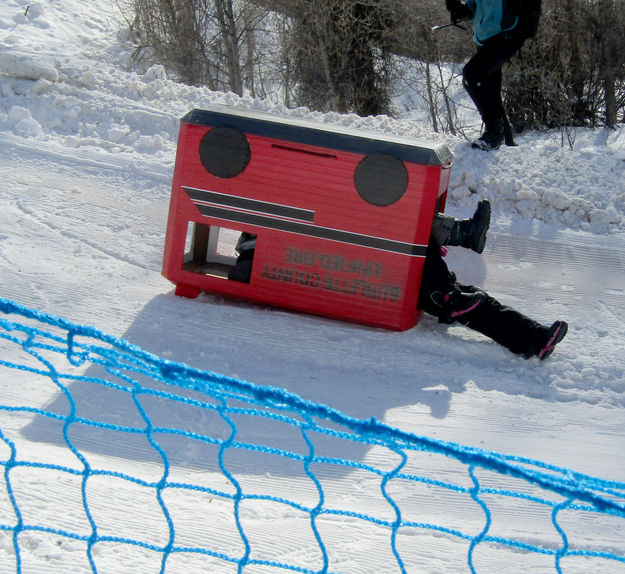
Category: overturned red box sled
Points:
column 342, row 216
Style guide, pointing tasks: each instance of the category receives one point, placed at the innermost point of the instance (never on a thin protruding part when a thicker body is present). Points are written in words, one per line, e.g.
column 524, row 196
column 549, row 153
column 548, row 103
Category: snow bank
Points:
column 575, row 179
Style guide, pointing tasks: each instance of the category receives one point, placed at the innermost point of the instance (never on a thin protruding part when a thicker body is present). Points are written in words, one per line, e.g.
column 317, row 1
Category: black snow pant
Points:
column 504, row 325
column 482, row 75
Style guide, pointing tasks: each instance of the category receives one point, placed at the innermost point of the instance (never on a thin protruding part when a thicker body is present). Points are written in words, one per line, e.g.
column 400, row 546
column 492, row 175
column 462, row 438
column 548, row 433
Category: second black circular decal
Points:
column 381, row 179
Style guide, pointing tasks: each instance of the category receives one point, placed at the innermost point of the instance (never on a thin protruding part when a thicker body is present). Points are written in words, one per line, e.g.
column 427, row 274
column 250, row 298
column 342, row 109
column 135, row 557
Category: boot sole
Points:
column 479, row 245
column 485, row 146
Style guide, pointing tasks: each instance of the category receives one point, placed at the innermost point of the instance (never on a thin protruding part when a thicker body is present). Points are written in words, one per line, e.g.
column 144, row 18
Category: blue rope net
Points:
column 111, row 455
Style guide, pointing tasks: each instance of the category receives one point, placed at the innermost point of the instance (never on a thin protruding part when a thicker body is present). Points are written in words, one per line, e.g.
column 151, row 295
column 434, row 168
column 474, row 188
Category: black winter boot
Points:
column 492, row 137
column 556, row 333
column 471, row 233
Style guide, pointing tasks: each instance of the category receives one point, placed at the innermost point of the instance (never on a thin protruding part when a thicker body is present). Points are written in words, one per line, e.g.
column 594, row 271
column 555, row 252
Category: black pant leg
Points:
column 436, row 278
column 482, row 74
column 506, row 326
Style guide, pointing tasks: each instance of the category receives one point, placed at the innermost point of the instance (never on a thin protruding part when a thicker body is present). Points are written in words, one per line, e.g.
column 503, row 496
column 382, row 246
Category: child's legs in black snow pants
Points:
column 504, row 325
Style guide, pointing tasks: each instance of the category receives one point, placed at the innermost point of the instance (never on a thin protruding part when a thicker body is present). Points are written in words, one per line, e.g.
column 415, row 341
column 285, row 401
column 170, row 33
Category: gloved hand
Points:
column 451, row 306
column 458, row 11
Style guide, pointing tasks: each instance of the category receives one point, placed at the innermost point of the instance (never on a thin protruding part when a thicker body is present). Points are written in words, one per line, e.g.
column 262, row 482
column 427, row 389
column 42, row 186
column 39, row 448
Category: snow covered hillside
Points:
column 87, row 149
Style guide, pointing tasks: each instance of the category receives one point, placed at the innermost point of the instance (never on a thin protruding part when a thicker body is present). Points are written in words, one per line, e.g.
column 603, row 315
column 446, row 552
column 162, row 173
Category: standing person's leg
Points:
column 482, row 78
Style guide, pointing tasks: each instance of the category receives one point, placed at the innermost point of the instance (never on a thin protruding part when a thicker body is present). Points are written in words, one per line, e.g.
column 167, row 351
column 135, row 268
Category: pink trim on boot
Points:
column 555, row 339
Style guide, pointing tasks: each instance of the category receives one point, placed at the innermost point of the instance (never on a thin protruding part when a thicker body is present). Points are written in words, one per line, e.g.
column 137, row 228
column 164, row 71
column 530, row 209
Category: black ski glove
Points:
column 458, row 11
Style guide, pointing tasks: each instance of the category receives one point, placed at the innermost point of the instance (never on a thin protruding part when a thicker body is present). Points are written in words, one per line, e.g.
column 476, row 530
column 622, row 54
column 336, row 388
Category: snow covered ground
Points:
column 87, row 148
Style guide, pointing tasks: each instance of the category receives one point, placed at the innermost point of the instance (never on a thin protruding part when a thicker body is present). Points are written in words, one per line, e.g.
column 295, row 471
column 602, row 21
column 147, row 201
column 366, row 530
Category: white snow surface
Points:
column 87, row 149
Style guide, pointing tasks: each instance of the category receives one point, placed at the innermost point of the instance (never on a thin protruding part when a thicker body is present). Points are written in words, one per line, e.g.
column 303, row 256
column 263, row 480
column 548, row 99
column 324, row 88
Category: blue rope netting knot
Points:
column 120, row 449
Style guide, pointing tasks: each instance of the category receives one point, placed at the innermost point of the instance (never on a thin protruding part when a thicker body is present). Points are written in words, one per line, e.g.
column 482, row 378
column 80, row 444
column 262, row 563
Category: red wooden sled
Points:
column 342, row 215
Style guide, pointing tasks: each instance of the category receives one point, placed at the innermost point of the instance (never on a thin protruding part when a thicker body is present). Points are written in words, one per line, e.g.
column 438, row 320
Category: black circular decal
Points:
column 381, row 179
column 225, row 152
